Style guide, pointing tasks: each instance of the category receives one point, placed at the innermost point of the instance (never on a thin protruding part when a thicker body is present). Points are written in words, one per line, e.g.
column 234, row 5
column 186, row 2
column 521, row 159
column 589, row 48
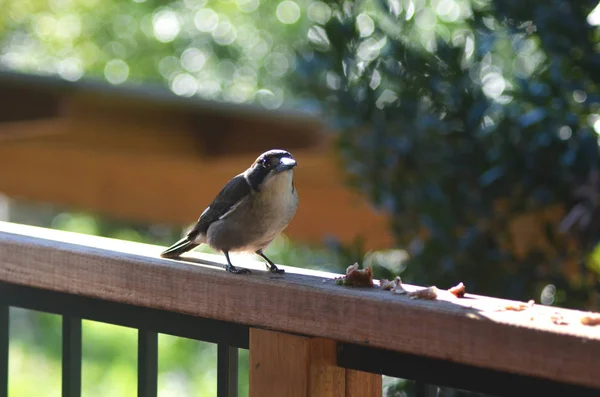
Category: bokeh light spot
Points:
column 226, row 69
column 59, row 6
column 493, row 85
column 277, row 64
column 448, row 10
column 270, row 99
column 426, row 19
column 395, row 7
column 318, row 36
column 116, row 71
column 208, row 88
column 193, row 59
column 593, row 17
column 166, row 26
column 548, row 295
column 44, row 25
column 288, row 12
column 387, row 97
column 365, row 25
column 259, row 50
column 593, row 120
column 375, row 80
column 565, row 132
column 579, row 96
column 184, row 85
column 70, row 69
column 206, row 20
column 319, row 12
column 68, row 27
column 333, row 81
column 597, row 126
column 195, row 3
column 248, row 5
column 369, row 49
column 168, row 66
column 225, row 33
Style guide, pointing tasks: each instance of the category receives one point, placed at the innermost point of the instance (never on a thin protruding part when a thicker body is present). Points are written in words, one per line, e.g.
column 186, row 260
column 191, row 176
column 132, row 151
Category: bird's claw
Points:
column 276, row 270
column 235, row 270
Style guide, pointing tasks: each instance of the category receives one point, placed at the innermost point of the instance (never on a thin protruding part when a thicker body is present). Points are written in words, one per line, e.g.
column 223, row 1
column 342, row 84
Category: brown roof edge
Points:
column 17, row 88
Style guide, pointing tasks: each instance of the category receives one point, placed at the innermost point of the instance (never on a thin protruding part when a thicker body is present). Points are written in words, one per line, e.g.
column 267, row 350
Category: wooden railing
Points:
column 306, row 335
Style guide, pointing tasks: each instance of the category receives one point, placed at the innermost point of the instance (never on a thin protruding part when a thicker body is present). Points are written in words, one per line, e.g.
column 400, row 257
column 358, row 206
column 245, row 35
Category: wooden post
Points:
column 296, row 366
column 362, row 384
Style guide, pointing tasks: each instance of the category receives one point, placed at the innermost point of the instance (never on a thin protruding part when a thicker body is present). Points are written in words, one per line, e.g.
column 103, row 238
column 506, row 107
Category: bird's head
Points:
column 269, row 165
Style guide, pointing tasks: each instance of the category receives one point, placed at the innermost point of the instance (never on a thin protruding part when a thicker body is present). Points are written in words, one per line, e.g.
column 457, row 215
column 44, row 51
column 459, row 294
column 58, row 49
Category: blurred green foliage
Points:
column 233, row 50
column 475, row 124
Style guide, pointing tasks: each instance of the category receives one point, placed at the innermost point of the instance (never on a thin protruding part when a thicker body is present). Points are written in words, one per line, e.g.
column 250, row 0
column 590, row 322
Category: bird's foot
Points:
column 269, row 264
column 235, row 270
column 275, row 269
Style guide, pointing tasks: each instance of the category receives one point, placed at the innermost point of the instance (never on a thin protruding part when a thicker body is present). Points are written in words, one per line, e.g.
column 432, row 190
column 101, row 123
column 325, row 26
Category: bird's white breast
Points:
column 279, row 199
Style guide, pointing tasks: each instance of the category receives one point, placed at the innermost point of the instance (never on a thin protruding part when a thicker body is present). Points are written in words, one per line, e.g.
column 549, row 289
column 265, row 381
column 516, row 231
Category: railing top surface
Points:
column 474, row 330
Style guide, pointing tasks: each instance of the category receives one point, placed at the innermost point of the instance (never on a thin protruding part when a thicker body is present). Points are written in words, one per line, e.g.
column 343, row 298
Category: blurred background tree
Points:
column 474, row 123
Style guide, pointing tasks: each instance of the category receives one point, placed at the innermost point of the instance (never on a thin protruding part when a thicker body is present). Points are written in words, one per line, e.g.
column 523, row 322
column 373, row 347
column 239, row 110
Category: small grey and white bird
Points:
column 248, row 212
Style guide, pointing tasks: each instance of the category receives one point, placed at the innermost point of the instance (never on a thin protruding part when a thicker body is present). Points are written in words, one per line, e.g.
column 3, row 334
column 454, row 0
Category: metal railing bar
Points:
column 450, row 374
column 161, row 321
column 227, row 371
column 71, row 356
column 4, row 334
column 147, row 363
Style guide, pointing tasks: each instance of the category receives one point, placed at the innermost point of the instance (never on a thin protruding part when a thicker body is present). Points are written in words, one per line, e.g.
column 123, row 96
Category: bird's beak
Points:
column 285, row 163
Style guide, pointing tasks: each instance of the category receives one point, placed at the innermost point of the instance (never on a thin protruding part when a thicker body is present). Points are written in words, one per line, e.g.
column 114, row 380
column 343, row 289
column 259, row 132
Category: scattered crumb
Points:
column 558, row 319
column 591, row 320
column 395, row 286
column 458, row 290
column 386, row 285
column 425, row 293
column 519, row 307
column 398, row 288
column 356, row 277
column 351, row 268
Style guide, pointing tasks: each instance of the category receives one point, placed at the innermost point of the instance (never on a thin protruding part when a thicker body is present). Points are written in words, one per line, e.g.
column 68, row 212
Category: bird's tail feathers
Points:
column 183, row 245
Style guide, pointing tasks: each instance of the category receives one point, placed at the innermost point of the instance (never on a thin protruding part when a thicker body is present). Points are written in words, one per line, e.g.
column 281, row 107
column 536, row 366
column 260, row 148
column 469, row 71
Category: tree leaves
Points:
column 501, row 112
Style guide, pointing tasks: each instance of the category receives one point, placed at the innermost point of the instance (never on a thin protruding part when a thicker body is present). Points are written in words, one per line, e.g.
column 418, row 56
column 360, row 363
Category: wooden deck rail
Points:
column 296, row 320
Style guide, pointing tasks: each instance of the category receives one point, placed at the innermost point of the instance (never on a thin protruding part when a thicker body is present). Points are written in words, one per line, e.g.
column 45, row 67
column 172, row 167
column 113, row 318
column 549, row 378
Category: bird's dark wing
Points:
column 232, row 193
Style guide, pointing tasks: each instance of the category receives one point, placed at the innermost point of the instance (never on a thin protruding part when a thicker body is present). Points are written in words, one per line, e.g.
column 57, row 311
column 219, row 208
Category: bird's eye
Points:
column 265, row 163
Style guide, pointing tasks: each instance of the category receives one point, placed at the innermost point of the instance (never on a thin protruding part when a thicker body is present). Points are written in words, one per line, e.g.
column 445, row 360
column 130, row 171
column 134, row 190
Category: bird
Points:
column 248, row 212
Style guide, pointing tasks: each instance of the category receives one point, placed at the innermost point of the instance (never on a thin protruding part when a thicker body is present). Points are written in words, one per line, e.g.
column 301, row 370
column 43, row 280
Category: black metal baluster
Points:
column 4, row 332
column 71, row 356
column 147, row 363
column 227, row 371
